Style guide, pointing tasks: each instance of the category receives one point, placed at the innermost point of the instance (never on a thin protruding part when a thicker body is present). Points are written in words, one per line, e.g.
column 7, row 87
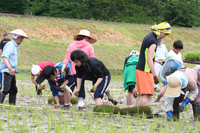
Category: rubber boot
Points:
column 196, row 111
column 176, row 112
column 110, row 98
column 12, row 99
column 2, row 97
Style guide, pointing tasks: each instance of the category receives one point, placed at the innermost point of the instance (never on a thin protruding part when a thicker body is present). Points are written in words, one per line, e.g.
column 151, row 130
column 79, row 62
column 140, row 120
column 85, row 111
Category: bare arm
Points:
column 149, row 59
column 99, row 80
column 0, row 51
column 64, row 83
column 33, row 80
column 79, row 80
column 12, row 72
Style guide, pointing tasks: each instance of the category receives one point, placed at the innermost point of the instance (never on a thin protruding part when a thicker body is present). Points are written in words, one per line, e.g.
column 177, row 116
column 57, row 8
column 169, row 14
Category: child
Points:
column 160, row 57
column 181, row 81
column 174, row 54
column 37, row 70
column 94, row 70
column 130, row 76
column 57, row 81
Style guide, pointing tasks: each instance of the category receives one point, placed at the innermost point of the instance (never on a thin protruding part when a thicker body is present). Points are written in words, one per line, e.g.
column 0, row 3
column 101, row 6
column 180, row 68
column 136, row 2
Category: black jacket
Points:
column 94, row 69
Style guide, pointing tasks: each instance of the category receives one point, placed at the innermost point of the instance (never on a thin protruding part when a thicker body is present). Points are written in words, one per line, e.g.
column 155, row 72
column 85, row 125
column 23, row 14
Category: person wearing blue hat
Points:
column 3, row 42
column 160, row 57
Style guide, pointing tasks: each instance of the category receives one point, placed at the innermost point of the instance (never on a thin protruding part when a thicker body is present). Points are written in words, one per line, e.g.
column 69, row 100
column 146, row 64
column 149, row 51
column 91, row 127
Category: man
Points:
column 3, row 42
column 9, row 61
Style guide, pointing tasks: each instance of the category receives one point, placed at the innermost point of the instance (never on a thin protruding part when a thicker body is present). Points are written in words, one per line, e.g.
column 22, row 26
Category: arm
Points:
column 149, row 59
column 66, row 60
column 91, row 54
column 159, row 62
column 0, row 51
column 12, row 72
column 64, row 83
column 79, row 80
column 34, row 82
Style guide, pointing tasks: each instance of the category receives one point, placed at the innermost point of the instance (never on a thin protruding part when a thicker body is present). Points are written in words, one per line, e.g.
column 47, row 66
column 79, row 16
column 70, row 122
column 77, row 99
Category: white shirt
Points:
column 174, row 55
column 161, row 52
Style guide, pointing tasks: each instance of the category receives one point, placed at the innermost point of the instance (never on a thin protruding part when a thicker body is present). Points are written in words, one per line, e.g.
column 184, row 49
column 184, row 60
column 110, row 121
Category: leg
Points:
column 98, row 101
column 67, row 96
column 143, row 100
column 196, row 111
column 176, row 111
column 39, row 80
column 129, row 98
column 13, row 91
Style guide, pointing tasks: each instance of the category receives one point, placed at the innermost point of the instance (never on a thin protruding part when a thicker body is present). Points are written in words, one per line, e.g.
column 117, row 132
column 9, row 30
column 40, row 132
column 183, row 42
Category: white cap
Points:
column 197, row 67
column 35, row 69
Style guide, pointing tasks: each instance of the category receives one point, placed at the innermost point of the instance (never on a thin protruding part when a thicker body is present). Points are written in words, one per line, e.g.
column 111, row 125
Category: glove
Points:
column 185, row 102
column 156, row 80
column 169, row 115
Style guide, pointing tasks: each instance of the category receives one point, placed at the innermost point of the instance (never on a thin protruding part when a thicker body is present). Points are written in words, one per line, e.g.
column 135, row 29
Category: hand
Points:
column 93, row 89
column 76, row 93
column 12, row 72
column 156, row 79
column 63, row 73
column 135, row 93
column 185, row 102
column 169, row 115
column 160, row 62
column 56, row 106
column 38, row 86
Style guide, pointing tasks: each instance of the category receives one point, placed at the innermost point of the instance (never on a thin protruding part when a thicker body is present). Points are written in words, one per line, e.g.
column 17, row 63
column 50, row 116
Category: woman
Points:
column 145, row 67
column 94, row 70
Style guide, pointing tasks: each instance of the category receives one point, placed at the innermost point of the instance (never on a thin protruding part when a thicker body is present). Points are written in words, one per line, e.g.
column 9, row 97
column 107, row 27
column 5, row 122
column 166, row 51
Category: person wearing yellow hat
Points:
column 181, row 81
column 145, row 70
column 9, row 61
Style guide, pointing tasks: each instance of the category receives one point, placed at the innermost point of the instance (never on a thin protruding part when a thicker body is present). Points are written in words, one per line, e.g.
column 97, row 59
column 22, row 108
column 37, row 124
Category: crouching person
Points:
column 179, row 83
column 9, row 61
column 60, row 84
column 95, row 71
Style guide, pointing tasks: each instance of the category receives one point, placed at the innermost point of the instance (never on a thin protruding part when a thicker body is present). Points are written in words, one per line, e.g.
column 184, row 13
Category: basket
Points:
column 170, row 66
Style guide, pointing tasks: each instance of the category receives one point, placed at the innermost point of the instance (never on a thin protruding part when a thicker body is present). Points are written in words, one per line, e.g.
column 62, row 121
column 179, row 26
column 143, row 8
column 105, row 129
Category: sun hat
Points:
column 18, row 32
column 35, row 69
column 86, row 33
column 173, row 87
column 4, row 34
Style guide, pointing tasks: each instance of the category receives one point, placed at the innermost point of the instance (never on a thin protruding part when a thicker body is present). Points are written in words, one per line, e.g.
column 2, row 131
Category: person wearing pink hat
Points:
column 83, row 42
column 9, row 61
column 37, row 70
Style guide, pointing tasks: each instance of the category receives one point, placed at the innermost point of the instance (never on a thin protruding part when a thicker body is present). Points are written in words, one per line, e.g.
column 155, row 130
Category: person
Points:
column 145, row 71
column 37, row 70
column 160, row 57
column 180, row 82
column 61, row 86
column 94, row 70
column 3, row 42
column 173, row 54
column 130, row 77
column 83, row 42
column 9, row 61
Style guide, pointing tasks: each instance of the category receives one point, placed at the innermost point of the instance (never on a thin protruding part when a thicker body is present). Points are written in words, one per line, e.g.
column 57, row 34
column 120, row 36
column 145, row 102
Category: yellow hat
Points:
column 162, row 27
column 173, row 87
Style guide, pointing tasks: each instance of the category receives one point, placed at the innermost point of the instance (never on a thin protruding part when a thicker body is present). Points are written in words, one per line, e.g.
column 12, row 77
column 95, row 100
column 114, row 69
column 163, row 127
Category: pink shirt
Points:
column 43, row 64
column 81, row 45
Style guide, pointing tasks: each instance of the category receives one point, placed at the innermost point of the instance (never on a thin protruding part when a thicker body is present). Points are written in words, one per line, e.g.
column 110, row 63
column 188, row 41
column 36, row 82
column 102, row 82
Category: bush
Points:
column 192, row 56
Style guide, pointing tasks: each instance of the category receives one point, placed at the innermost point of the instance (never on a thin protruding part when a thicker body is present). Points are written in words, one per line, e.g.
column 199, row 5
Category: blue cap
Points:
column 159, row 40
column 4, row 34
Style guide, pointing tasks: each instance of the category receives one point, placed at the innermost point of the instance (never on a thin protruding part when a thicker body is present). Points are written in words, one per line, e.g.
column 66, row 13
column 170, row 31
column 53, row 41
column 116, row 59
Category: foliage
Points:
column 192, row 56
column 176, row 12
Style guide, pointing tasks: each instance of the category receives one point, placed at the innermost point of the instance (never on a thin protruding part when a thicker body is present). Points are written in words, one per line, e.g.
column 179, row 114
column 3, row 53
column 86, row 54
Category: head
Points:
column 79, row 57
column 36, row 70
column 159, row 41
column 5, row 35
column 162, row 30
column 49, row 72
column 177, row 46
column 18, row 36
column 85, row 34
column 173, row 87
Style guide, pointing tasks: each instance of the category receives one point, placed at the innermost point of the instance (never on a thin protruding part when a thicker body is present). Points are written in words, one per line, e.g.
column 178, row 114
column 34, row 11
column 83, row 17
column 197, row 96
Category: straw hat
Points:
column 35, row 69
column 86, row 33
column 19, row 32
column 173, row 87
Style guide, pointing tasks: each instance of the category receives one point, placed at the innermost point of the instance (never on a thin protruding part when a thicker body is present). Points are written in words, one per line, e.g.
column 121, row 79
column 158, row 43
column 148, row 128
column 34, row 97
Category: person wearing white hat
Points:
column 37, row 70
column 3, row 42
column 181, row 81
column 9, row 60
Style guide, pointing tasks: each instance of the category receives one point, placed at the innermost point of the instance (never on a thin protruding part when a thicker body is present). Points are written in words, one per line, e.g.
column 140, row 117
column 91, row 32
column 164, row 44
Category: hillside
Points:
column 50, row 37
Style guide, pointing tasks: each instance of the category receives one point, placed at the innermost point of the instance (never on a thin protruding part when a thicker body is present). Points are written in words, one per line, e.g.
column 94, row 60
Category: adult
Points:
column 9, row 61
column 37, row 70
column 83, row 42
column 145, row 70
column 3, row 42
column 160, row 57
